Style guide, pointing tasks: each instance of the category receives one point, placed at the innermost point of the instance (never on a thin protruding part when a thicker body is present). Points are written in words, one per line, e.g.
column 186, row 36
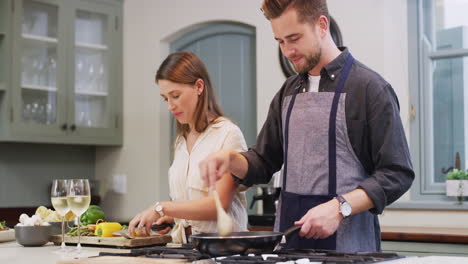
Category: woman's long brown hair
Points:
column 186, row 67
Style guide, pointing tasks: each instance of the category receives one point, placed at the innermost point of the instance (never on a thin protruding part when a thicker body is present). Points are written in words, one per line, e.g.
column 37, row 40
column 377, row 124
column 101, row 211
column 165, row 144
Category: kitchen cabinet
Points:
column 61, row 71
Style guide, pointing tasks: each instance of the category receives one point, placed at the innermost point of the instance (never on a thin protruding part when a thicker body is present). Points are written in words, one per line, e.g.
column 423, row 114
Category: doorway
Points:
column 228, row 51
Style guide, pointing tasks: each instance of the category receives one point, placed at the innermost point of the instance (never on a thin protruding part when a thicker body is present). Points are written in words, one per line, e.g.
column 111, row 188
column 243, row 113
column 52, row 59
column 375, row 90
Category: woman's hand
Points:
column 142, row 222
column 162, row 220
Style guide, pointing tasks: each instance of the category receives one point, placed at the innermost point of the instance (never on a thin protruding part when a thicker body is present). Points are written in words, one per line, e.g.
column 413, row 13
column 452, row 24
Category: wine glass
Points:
column 58, row 196
column 92, row 77
column 79, row 73
column 52, row 67
column 101, row 85
column 79, row 198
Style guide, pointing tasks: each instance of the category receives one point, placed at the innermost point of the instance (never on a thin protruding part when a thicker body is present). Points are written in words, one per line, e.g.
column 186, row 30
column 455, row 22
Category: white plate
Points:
column 7, row 235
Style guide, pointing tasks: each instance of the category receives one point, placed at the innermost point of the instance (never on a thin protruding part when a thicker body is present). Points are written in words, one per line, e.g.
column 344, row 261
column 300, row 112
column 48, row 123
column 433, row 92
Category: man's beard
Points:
column 311, row 62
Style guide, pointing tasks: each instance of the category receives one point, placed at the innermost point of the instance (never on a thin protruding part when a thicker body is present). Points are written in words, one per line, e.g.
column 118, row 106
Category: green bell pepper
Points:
column 92, row 215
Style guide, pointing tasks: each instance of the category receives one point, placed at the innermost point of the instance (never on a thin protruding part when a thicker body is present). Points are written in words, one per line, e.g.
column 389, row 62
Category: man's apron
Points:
column 311, row 177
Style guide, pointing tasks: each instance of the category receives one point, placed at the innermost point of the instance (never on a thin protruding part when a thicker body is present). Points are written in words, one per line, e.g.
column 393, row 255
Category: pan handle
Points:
column 286, row 236
column 291, row 230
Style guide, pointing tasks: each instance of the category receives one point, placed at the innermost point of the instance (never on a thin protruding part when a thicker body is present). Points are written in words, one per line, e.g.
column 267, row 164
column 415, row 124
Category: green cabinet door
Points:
column 38, row 88
column 96, row 84
column 66, row 72
column 5, row 63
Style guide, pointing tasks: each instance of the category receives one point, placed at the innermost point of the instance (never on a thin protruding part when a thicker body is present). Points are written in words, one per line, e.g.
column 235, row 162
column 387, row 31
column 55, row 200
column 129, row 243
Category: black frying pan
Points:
column 214, row 245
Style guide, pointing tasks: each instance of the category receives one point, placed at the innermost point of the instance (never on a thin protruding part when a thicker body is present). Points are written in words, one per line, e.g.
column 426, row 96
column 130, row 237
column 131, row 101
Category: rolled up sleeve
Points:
column 393, row 171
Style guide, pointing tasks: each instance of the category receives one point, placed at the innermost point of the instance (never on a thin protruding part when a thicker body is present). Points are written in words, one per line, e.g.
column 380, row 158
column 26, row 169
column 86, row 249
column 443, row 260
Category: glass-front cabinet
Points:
column 66, row 84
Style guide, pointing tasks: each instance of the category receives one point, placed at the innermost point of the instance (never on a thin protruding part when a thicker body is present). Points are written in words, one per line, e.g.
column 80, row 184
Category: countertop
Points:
column 14, row 253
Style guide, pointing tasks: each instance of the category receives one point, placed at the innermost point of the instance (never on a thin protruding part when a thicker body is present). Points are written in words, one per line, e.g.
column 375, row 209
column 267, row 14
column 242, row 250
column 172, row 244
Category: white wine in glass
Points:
column 79, row 198
column 60, row 205
column 79, row 203
column 58, row 196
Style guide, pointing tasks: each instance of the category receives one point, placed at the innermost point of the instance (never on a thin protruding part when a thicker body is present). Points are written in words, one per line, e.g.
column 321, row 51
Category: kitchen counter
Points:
column 14, row 253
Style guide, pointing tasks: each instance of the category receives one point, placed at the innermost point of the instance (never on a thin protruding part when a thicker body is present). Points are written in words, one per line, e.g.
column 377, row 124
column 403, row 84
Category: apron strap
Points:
column 286, row 132
column 332, row 126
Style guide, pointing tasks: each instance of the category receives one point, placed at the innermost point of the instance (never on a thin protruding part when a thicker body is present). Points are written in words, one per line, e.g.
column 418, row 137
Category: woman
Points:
column 201, row 129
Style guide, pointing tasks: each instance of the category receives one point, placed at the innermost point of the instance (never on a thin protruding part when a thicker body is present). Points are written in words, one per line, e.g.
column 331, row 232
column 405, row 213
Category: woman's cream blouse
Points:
column 186, row 184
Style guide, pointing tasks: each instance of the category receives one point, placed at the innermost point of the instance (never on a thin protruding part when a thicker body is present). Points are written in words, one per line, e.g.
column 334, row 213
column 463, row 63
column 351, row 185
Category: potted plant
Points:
column 457, row 184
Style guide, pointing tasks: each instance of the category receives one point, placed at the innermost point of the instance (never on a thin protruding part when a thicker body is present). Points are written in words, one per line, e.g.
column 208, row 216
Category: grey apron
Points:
column 319, row 164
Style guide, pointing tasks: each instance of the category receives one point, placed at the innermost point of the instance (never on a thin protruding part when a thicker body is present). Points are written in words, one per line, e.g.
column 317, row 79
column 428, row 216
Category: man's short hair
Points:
column 307, row 10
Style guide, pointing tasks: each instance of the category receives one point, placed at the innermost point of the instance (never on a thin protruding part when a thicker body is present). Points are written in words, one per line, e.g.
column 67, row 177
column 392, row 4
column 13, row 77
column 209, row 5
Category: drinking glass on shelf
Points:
column 79, row 198
column 34, row 112
column 81, row 118
column 49, row 114
column 101, row 85
column 52, row 68
column 79, row 73
column 27, row 112
column 58, row 196
column 91, row 76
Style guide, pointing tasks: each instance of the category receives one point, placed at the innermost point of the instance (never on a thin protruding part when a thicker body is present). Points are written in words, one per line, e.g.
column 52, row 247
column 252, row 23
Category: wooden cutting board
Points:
column 121, row 260
column 120, row 242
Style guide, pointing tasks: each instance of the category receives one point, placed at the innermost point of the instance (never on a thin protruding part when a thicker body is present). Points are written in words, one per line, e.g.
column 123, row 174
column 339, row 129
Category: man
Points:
column 336, row 127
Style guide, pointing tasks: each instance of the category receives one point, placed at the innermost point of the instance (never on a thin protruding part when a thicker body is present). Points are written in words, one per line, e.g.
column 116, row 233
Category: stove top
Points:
column 290, row 256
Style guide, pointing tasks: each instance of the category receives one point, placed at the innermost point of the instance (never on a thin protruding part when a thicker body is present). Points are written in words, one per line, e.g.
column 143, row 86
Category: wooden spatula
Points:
column 225, row 222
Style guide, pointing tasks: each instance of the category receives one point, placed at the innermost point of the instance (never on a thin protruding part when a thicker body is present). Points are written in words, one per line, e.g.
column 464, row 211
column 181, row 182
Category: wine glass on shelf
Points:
column 79, row 73
column 92, row 77
column 101, row 85
column 52, row 67
column 58, row 196
column 79, row 198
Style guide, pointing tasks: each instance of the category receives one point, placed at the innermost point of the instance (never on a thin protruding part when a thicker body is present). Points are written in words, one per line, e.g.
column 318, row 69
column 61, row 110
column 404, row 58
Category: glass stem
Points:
column 79, row 233
column 63, row 232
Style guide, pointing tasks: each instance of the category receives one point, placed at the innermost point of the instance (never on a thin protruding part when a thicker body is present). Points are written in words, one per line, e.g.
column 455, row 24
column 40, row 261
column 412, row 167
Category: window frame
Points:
column 424, row 192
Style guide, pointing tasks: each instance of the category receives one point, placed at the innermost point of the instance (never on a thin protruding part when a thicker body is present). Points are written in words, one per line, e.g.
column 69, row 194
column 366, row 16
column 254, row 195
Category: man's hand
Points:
column 321, row 221
column 213, row 167
column 143, row 221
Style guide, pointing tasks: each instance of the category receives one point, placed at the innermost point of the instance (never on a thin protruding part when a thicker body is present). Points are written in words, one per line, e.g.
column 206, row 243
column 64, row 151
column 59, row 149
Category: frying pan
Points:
column 214, row 245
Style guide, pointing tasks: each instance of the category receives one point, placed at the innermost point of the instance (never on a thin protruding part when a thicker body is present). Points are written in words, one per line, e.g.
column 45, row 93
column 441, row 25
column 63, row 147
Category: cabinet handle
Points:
column 64, row 126
column 73, row 127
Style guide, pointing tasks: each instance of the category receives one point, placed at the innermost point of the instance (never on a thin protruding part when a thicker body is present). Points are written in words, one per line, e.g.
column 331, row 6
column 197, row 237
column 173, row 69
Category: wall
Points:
column 375, row 32
column 27, row 171
column 148, row 28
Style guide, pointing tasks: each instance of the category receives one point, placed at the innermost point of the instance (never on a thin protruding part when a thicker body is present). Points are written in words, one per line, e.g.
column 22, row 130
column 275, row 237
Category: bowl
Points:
column 32, row 236
column 56, row 227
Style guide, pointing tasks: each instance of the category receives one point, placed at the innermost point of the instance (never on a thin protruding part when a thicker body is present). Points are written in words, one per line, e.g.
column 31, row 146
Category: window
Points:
column 438, row 31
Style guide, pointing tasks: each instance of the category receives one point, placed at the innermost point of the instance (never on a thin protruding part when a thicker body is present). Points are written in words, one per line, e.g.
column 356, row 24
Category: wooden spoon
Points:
column 225, row 222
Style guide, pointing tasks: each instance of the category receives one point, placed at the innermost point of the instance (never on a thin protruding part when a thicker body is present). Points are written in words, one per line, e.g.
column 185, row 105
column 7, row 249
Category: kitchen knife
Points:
column 154, row 228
